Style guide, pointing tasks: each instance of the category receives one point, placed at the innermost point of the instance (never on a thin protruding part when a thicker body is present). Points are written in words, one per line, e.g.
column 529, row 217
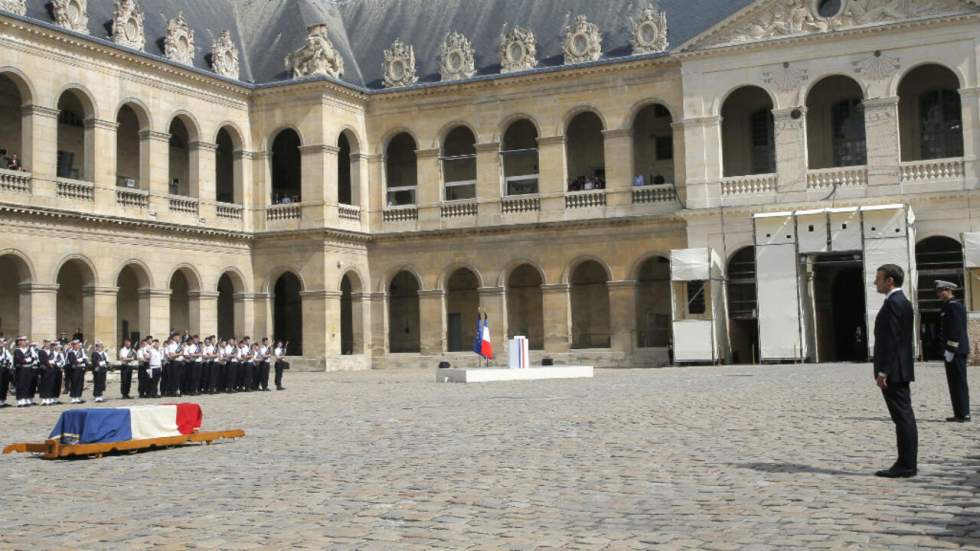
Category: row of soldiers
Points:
column 179, row 366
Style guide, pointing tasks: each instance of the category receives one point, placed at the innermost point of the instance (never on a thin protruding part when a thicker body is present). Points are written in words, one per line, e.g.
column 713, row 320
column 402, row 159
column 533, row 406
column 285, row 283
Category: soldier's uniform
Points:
column 6, row 372
column 956, row 348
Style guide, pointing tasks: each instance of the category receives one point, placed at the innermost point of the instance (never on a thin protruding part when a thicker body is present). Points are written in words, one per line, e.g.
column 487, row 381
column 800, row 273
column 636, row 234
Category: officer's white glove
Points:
column 948, row 355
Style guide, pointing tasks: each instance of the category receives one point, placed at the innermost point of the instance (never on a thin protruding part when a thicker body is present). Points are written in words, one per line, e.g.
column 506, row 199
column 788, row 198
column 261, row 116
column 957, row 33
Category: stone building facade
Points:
column 363, row 186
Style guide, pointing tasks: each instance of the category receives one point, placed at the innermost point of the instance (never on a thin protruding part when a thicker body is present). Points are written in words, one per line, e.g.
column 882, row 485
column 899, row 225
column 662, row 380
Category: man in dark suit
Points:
column 955, row 343
column 894, row 366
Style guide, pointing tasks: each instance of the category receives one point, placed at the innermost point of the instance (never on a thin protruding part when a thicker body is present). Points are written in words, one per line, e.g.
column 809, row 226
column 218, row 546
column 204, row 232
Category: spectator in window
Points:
column 14, row 163
column 658, row 180
column 286, row 200
column 639, row 181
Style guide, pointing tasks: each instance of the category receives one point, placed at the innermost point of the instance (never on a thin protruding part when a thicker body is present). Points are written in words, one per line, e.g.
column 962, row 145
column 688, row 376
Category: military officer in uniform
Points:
column 6, row 372
column 956, row 348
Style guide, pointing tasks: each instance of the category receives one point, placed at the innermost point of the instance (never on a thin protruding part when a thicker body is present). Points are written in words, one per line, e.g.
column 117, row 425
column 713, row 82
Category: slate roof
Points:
column 267, row 30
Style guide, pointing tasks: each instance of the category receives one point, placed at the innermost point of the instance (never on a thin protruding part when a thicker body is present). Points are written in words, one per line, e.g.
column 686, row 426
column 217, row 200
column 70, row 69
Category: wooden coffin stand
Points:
column 54, row 449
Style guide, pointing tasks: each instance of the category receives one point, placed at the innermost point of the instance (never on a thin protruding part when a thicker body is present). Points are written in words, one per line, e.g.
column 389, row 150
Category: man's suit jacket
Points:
column 894, row 331
column 954, row 336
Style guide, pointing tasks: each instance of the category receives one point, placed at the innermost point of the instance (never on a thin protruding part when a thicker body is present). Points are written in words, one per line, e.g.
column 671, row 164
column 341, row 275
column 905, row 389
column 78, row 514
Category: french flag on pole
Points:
column 481, row 343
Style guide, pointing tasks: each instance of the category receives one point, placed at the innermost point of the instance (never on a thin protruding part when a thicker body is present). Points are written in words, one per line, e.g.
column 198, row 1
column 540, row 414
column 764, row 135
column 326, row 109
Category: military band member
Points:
column 209, row 376
column 44, row 366
column 79, row 365
column 24, row 372
column 956, row 348
column 58, row 361
column 279, row 353
column 154, row 363
column 143, row 372
column 173, row 372
column 6, row 372
column 246, row 360
column 127, row 361
column 100, row 369
column 196, row 366
column 35, row 370
column 66, row 369
column 231, row 359
column 262, row 364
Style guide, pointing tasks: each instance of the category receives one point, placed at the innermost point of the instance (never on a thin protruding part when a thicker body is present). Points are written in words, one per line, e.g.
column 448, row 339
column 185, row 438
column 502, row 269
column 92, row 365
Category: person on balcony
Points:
column 13, row 163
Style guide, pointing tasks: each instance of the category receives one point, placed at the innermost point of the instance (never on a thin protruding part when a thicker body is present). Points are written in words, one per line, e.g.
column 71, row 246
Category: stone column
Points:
column 488, row 182
column 331, row 183
column 360, row 322
column 970, row 100
column 622, row 315
column 314, row 164
column 376, row 326
column 680, row 161
column 493, row 302
column 259, row 307
column 552, row 173
column 432, row 321
column 703, row 161
column 158, row 163
column 359, row 176
column 203, row 185
column 373, row 193
column 102, row 135
column 884, row 148
column 99, row 314
column 38, row 308
column 39, row 128
column 316, row 330
column 242, row 194
column 204, row 312
column 429, row 193
column 155, row 306
column 556, row 305
column 618, row 153
column 791, row 153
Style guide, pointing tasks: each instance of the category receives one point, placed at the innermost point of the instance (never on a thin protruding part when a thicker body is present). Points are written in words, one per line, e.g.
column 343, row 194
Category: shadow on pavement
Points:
column 796, row 468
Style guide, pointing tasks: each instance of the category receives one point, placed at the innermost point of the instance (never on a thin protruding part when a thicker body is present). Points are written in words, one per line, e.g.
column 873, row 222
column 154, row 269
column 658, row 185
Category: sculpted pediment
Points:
column 774, row 19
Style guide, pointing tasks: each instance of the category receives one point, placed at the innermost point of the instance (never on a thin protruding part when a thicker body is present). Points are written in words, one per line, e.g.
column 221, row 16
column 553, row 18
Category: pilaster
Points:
column 557, row 320
column 883, row 146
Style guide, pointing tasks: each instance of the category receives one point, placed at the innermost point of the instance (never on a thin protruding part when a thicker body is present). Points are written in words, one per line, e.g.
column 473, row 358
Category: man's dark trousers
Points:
column 898, row 398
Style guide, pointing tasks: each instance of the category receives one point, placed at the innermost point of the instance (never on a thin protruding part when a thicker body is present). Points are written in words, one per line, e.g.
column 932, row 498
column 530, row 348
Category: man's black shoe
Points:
column 897, row 473
column 958, row 419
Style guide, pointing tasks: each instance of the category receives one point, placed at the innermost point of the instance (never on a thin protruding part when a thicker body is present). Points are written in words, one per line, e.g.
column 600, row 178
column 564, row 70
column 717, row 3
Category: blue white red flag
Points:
column 103, row 425
column 481, row 342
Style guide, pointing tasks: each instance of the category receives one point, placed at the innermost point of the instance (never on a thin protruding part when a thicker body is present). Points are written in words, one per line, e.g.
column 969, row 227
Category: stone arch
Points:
column 812, row 83
column 194, row 279
column 445, row 129
column 930, row 113
column 404, row 312
column 572, row 113
column 353, row 138
column 449, row 270
column 744, row 109
column 351, row 313
column 525, row 302
column 579, row 260
column 393, row 133
column 509, row 120
column 234, row 132
column 634, row 269
column 84, row 95
column 589, row 304
column 719, row 104
column 355, row 277
column 230, row 311
column 287, row 310
column 277, row 272
column 25, row 87
column 896, row 80
column 89, row 273
column 235, row 275
column 15, row 270
column 835, row 122
column 390, row 275
column 139, row 108
column 271, row 136
column 629, row 121
column 512, row 265
column 140, row 268
column 25, row 268
column 652, row 300
column 189, row 121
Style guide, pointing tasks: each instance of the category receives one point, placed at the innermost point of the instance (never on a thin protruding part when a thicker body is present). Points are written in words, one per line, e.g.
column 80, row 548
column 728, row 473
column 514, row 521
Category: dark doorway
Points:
column 743, row 307
column 936, row 257
column 288, row 314
column 841, row 330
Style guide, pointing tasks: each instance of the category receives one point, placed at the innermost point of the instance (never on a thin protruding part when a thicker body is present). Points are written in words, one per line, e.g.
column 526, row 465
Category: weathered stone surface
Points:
column 696, row 458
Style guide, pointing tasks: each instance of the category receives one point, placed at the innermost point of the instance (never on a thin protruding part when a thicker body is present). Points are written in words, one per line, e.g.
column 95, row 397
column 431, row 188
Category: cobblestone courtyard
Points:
column 706, row 458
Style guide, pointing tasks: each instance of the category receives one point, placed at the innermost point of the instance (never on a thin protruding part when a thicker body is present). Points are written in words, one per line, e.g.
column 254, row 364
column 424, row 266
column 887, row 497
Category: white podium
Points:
column 496, row 374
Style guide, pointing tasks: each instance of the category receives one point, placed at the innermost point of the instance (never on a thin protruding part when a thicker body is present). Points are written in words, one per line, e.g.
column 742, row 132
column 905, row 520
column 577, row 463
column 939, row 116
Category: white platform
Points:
column 486, row 375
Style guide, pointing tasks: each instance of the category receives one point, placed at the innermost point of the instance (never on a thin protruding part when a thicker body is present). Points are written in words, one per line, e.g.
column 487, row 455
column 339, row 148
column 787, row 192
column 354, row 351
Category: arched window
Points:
column 287, row 169
column 590, row 306
column 585, row 153
column 459, row 164
column 74, row 154
column 930, row 114
column 519, row 158
column 345, row 192
column 13, row 142
column 401, row 170
column 525, row 306
column 226, row 168
column 182, row 173
column 747, row 133
column 653, row 147
column 288, row 313
column 131, row 151
column 462, row 307
column 835, row 124
column 403, row 314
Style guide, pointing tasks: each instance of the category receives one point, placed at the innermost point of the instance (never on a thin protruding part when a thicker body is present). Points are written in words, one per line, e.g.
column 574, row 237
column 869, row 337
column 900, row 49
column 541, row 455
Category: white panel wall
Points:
column 779, row 302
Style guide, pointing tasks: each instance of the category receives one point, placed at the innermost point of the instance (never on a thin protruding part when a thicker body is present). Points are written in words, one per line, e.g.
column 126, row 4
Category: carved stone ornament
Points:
column 316, row 57
column 786, row 78
column 178, row 45
column 399, row 65
column 127, row 24
column 518, row 50
column 457, row 60
column 784, row 18
column 71, row 14
column 224, row 56
column 877, row 67
column 14, row 6
column 583, row 41
column 649, row 32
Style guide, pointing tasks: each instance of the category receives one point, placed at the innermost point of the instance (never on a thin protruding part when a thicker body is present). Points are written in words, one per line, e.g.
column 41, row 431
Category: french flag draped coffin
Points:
column 105, row 425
